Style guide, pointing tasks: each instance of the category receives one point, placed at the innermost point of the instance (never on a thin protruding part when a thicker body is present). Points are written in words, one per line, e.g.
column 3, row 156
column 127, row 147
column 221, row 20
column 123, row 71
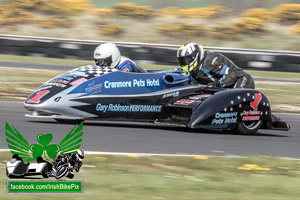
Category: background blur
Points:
column 268, row 24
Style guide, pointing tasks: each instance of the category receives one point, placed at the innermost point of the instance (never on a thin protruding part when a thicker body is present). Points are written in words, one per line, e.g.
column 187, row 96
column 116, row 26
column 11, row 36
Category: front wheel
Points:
column 249, row 128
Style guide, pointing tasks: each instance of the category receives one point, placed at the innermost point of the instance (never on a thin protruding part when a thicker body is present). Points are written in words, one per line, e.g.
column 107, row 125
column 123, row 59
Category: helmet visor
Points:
column 186, row 60
column 182, row 61
column 104, row 62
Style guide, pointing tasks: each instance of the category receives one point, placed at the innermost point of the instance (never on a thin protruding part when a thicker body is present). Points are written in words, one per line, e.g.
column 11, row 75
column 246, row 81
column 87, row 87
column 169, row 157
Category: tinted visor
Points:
column 181, row 61
column 104, row 62
column 80, row 156
column 186, row 60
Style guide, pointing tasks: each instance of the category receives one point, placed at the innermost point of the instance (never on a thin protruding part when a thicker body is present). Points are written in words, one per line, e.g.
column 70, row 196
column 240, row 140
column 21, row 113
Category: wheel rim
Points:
column 251, row 125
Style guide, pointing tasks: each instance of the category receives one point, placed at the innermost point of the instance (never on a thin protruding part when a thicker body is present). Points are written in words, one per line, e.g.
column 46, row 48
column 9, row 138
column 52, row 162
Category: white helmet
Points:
column 79, row 154
column 107, row 55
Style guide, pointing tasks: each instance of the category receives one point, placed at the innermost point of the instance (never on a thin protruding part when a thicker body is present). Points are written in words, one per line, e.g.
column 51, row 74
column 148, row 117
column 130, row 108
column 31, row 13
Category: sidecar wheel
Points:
column 249, row 128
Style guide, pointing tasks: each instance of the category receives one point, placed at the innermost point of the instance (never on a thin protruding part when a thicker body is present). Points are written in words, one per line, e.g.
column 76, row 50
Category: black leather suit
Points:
column 217, row 70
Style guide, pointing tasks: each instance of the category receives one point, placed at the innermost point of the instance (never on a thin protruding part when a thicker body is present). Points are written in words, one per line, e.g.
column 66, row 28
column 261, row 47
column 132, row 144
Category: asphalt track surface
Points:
column 151, row 138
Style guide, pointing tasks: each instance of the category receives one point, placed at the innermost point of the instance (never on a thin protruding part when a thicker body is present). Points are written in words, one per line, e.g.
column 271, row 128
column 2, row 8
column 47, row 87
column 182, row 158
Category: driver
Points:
column 212, row 69
column 108, row 55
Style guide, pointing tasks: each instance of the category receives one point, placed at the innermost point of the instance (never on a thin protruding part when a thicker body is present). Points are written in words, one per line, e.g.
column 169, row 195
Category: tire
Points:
column 62, row 172
column 70, row 176
column 249, row 128
column 45, row 175
column 68, row 121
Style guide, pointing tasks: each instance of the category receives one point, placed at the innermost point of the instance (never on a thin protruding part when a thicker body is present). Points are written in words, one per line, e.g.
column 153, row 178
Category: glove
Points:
column 213, row 84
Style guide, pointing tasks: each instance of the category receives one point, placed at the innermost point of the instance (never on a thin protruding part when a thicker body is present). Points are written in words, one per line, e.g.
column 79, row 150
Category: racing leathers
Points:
column 216, row 70
column 127, row 65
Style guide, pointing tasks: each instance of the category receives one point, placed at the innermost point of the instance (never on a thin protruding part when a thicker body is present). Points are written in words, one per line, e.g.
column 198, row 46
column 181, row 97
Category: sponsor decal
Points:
column 69, row 78
column 225, row 118
column 91, row 69
column 152, row 82
column 214, row 60
column 133, row 83
column 51, row 160
column 251, row 118
column 244, row 82
column 127, row 108
column 251, row 112
column 251, row 115
column 120, row 84
column 184, row 101
column 38, row 96
column 44, row 88
column 78, row 81
column 78, row 73
column 56, row 84
column 63, row 81
column 93, row 88
column 254, row 104
column 192, row 99
column 172, row 94
column 199, row 97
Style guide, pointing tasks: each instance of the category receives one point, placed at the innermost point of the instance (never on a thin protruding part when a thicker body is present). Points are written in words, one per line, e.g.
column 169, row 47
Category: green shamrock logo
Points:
column 44, row 149
column 19, row 145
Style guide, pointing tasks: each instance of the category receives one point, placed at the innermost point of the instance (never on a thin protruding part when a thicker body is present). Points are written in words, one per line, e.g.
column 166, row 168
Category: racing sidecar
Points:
column 165, row 96
column 16, row 168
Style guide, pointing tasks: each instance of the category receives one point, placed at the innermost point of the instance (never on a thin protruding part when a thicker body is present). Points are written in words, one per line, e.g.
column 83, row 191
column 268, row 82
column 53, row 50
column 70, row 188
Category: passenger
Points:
column 108, row 55
column 212, row 69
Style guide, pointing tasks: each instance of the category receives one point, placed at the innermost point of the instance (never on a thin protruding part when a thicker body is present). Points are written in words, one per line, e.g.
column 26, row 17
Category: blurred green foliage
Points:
column 234, row 5
column 212, row 22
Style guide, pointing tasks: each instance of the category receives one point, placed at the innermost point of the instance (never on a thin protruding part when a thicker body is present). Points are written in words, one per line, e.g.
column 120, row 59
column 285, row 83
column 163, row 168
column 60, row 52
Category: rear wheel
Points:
column 45, row 175
column 249, row 128
column 245, row 128
column 68, row 121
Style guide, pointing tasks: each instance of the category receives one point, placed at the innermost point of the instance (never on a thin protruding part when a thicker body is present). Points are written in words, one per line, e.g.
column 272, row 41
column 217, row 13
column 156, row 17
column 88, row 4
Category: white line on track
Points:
column 162, row 155
column 145, row 154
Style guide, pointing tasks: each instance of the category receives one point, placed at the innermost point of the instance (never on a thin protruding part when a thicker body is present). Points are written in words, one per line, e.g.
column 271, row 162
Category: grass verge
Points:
column 196, row 177
column 283, row 96
column 17, row 84
column 43, row 60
